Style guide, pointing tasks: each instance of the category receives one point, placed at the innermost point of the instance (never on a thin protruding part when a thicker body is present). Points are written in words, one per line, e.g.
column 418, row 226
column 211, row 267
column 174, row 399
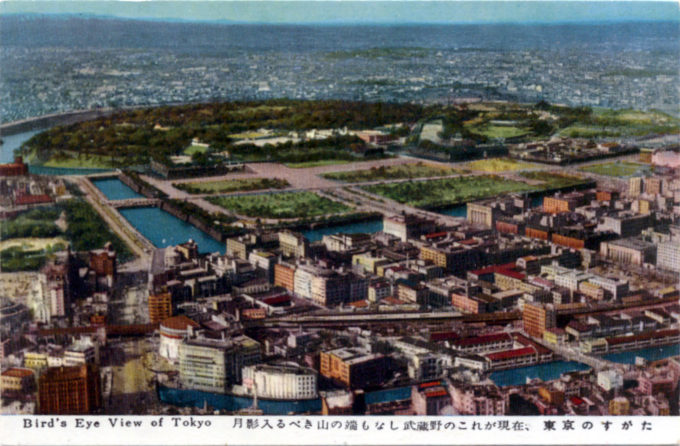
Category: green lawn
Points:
column 447, row 191
column 316, row 163
column 226, row 186
column 247, row 135
column 616, row 169
column 499, row 165
column 615, row 123
column 552, row 179
column 415, row 170
column 497, row 131
column 281, row 205
column 195, row 149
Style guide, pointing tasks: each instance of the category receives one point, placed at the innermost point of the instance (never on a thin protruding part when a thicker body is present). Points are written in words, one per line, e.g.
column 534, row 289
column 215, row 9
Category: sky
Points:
column 387, row 11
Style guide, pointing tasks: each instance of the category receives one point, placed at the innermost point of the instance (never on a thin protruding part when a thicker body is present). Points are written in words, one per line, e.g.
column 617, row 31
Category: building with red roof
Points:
column 17, row 168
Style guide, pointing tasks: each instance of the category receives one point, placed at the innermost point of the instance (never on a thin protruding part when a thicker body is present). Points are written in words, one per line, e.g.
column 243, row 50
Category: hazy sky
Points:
column 387, row 11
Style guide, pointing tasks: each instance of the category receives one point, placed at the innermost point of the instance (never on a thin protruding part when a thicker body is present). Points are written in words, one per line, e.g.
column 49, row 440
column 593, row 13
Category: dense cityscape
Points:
column 477, row 250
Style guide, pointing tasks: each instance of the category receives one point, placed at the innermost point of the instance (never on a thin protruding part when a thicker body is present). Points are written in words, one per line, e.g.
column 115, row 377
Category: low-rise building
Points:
column 287, row 381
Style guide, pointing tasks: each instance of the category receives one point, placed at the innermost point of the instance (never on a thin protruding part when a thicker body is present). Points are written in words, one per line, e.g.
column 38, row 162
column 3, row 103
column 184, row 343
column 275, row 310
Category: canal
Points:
column 164, row 229
column 650, row 354
column 367, row 227
column 546, row 372
column 114, row 189
column 460, row 210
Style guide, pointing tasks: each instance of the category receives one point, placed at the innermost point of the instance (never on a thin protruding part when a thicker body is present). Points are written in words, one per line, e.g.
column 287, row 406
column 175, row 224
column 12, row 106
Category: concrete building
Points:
column 287, row 381
column 172, row 331
column 213, row 365
column 293, row 244
column 537, row 318
column 408, row 226
column 355, row 368
column 629, row 251
column 84, row 351
column 668, row 256
column 330, row 289
column 478, row 400
column 17, row 381
column 346, row 242
column 635, row 186
column 302, row 280
column 70, row 390
column 160, row 307
column 284, row 276
column 609, row 380
column 430, row 399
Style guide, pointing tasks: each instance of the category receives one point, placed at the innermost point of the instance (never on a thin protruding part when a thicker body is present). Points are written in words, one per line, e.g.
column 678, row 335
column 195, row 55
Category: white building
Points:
column 668, row 256
column 173, row 331
column 609, row 379
column 84, row 351
column 287, row 381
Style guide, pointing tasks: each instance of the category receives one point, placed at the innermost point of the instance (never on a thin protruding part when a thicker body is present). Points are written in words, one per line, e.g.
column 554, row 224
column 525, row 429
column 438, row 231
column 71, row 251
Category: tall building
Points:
column 355, row 368
column 537, row 318
column 635, row 186
column 284, row 276
column 160, row 307
column 213, row 365
column 103, row 263
column 173, row 330
column 293, row 244
column 668, row 256
column 70, row 390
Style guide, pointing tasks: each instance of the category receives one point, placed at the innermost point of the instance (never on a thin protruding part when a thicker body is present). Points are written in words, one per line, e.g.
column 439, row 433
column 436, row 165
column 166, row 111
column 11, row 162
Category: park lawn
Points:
column 225, row 186
column 247, row 135
column 616, row 169
column 447, row 191
column 415, row 170
column 553, row 180
column 497, row 131
column 34, row 243
column 195, row 149
column 320, row 163
column 281, row 205
column 617, row 123
column 494, row 165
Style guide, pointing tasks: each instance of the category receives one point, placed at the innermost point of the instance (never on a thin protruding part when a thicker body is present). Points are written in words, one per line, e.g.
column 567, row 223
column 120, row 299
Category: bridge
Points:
column 134, row 203
column 371, row 319
column 572, row 354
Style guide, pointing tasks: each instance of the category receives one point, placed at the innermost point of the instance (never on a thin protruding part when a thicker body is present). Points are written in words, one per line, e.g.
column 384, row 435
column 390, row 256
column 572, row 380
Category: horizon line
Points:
column 338, row 22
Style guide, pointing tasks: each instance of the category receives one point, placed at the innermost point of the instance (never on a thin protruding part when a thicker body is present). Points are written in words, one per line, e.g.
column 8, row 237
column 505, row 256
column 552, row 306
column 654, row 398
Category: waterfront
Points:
column 13, row 142
column 455, row 211
column 546, row 372
column 163, row 229
column 114, row 189
column 649, row 353
column 367, row 227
